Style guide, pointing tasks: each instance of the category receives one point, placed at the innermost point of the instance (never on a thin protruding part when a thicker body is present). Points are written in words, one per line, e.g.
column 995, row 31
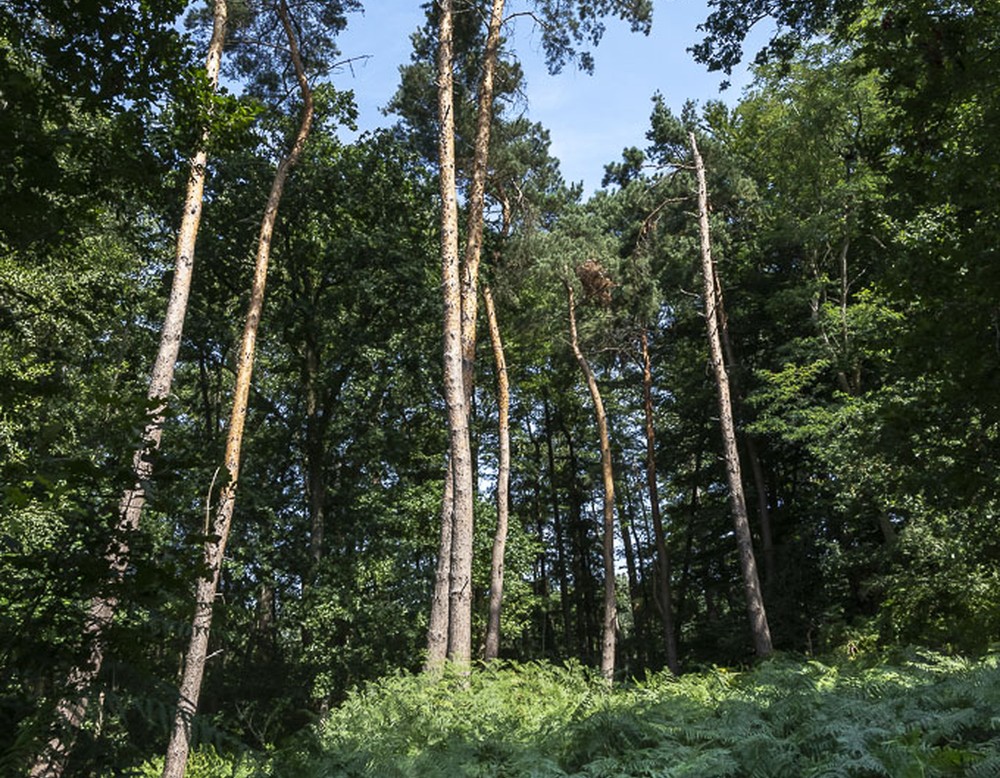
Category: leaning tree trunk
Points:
column 756, row 470
column 218, row 533
column 662, row 559
column 503, row 481
column 71, row 710
column 744, row 542
column 610, row 606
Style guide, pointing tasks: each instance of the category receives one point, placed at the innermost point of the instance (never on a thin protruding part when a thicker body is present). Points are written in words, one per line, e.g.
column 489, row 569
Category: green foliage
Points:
column 925, row 715
column 205, row 762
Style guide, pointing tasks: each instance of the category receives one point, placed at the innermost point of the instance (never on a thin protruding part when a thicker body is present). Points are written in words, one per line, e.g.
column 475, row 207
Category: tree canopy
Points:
column 848, row 202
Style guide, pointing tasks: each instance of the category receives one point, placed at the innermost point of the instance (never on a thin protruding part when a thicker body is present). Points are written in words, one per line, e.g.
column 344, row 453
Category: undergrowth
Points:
column 925, row 715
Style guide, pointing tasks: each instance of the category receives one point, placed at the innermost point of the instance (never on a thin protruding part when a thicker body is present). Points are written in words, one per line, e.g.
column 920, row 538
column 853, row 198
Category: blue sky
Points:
column 590, row 118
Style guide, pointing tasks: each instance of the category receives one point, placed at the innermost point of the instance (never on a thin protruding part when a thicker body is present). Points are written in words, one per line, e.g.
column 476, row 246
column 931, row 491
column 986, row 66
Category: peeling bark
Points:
column 71, row 710
column 215, row 545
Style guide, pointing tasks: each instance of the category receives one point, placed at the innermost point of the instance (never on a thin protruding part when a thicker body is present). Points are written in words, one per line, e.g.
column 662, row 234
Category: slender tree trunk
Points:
column 541, row 587
column 632, row 575
column 314, row 449
column 437, row 629
column 625, row 507
column 477, row 197
column 694, row 504
column 459, row 619
column 610, row 606
column 460, row 601
column 503, row 481
column 71, row 710
column 214, row 549
column 662, row 558
column 764, row 512
column 760, row 487
column 748, row 564
column 560, row 541
column 583, row 575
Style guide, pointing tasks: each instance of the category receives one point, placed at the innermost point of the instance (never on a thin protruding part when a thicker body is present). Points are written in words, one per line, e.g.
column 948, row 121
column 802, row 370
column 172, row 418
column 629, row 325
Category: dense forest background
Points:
column 852, row 216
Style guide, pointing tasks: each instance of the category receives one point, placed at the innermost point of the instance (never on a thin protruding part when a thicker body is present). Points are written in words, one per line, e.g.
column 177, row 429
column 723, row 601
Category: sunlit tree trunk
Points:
column 71, row 710
column 610, row 606
column 662, row 558
column 748, row 564
column 503, row 481
column 458, row 621
column 218, row 533
column 477, row 196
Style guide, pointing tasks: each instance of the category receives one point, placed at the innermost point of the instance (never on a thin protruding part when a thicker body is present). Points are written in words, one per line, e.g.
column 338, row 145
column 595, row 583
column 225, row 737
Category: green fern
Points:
column 926, row 715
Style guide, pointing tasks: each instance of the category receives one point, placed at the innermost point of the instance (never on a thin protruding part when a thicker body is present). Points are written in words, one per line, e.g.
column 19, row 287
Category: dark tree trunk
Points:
column 562, row 571
column 662, row 557
column 693, row 507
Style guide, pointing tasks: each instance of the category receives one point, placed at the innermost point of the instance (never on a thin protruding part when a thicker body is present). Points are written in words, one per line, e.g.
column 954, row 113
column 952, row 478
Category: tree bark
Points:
column 662, row 558
column 610, row 605
column 460, row 290
column 71, row 710
column 560, row 541
column 693, row 507
column 314, row 449
column 756, row 470
column 477, row 197
column 215, row 545
column 459, row 618
column 437, row 628
column 503, row 481
column 748, row 565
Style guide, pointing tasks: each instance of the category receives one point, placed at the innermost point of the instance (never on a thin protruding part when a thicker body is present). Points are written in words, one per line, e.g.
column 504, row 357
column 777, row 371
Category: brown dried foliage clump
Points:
column 597, row 285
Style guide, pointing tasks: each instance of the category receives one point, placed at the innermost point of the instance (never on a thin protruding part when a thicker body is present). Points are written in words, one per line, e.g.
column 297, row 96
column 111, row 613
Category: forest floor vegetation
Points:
column 918, row 714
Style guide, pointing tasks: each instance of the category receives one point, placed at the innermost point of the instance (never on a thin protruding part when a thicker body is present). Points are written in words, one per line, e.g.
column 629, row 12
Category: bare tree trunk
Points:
column 459, row 619
column 632, row 576
column 314, row 450
column 437, row 628
column 457, row 623
column 760, row 487
column 685, row 579
column 71, row 710
column 744, row 542
column 610, row 606
column 477, row 196
column 662, row 558
column 503, row 481
column 561, row 570
column 214, row 549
